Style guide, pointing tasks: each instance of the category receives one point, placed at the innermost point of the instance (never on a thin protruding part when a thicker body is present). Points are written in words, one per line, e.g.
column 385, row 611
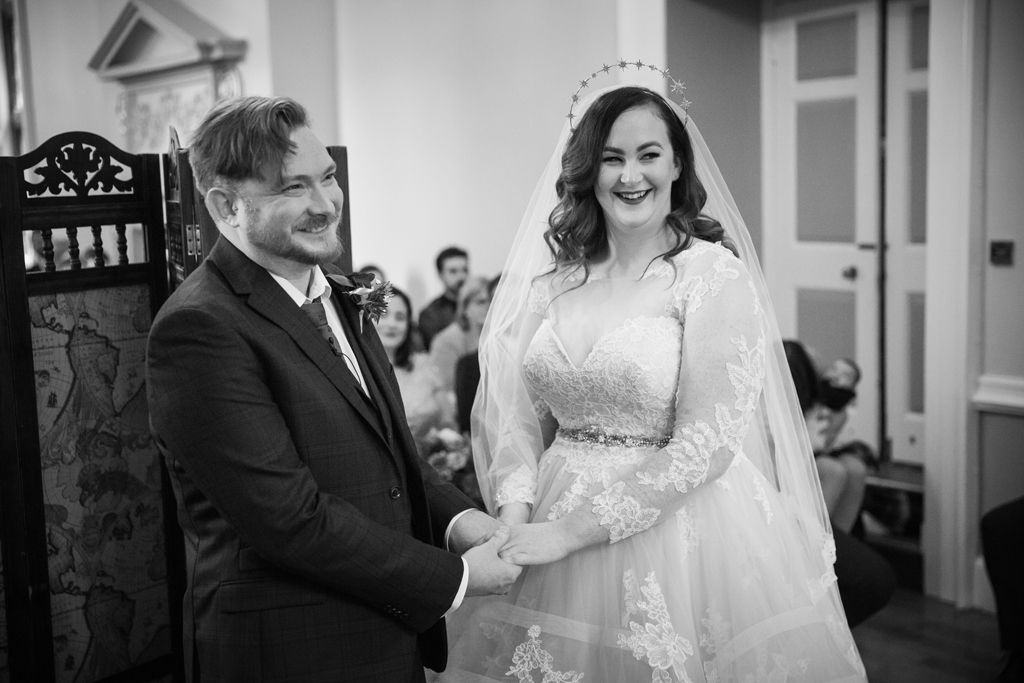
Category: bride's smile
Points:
column 638, row 167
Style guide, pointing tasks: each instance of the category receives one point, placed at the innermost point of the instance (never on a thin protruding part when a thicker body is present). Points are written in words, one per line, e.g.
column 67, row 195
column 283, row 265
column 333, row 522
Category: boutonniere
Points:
column 371, row 296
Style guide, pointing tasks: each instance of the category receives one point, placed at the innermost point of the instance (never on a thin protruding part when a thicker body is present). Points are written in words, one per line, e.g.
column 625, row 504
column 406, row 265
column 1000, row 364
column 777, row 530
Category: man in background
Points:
column 453, row 269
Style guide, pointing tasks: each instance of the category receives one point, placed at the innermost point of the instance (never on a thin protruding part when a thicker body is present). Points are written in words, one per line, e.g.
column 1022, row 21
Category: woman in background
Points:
column 463, row 335
column 429, row 405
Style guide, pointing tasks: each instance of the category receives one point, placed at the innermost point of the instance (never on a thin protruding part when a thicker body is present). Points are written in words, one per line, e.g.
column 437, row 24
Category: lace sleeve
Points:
column 720, row 378
column 519, row 485
column 511, row 425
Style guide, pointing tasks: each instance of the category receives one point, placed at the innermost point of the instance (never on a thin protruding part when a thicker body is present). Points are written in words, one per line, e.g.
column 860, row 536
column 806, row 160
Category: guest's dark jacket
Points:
column 434, row 317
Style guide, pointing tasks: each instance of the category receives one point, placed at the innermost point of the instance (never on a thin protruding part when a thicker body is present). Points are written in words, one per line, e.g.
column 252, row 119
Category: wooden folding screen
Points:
column 92, row 564
column 91, row 578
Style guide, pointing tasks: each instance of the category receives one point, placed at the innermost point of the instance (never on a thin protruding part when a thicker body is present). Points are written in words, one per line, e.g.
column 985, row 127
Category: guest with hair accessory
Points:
column 636, row 427
column 315, row 535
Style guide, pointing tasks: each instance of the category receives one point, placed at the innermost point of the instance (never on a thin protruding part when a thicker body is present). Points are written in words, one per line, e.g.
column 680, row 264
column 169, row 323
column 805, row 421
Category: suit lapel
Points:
column 373, row 372
column 268, row 299
column 349, row 315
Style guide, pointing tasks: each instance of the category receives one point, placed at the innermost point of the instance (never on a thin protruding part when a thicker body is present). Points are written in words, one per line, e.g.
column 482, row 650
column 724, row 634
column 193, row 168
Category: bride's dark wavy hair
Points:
column 576, row 232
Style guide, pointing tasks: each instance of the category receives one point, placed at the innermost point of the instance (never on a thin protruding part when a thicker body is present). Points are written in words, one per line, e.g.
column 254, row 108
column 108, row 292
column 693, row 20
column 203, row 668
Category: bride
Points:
column 636, row 428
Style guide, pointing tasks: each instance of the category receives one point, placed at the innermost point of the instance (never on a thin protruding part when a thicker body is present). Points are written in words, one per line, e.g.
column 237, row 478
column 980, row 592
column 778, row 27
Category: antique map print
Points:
column 101, row 482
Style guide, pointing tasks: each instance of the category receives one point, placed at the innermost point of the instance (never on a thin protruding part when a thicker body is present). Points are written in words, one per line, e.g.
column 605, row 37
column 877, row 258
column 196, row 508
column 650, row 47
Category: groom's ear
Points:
column 223, row 205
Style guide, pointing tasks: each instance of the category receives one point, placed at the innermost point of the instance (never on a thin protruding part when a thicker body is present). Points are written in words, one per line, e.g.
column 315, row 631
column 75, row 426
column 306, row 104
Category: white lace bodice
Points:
column 677, row 354
column 626, row 385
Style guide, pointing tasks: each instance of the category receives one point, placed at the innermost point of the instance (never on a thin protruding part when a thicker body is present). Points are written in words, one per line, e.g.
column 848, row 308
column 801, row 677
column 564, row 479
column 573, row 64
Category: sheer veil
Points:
column 507, row 432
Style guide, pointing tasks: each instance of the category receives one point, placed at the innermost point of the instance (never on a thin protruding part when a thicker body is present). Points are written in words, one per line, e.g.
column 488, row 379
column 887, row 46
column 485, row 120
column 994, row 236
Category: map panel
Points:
column 101, row 482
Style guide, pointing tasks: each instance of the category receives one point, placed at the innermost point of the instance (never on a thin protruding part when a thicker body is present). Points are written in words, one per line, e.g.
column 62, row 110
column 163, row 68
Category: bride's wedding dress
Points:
column 708, row 575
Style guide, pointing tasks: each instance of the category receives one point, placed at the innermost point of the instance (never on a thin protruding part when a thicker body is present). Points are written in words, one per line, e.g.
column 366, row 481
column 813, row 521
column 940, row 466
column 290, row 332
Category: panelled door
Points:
column 825, row 166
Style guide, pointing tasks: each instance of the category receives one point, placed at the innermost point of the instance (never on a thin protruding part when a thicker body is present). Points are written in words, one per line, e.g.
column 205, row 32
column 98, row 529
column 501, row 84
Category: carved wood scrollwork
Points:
column 83, row 166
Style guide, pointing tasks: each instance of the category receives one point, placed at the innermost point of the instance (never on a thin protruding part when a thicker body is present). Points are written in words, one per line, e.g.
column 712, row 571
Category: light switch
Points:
column 1000, row 252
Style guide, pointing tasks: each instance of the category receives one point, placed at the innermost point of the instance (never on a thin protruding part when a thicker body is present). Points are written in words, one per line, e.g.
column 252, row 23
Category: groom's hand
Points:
column 471, row 529
column 488, row 573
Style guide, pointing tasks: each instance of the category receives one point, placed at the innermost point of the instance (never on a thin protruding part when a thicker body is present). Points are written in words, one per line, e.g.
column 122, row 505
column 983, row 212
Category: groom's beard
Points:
column 284, row 243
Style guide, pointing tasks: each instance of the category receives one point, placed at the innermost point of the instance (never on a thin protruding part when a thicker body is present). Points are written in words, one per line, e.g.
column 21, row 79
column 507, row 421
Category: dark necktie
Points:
column 315, row 310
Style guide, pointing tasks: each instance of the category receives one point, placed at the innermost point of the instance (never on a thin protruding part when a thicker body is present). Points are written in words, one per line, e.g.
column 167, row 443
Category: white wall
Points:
column 64, row 94
column 1004, row 201
column 1002, row 426
column 716, row 49
column 449, row 110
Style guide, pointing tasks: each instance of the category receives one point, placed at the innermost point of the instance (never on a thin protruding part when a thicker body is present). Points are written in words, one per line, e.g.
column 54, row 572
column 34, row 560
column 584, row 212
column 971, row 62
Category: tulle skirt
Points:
column 729, row 588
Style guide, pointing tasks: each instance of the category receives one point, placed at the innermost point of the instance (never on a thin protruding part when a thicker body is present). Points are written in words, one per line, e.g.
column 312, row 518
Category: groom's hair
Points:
column 244, row 138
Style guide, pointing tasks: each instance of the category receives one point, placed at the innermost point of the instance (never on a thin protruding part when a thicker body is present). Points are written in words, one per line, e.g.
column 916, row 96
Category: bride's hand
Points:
column 511, row 514
column 539, row 543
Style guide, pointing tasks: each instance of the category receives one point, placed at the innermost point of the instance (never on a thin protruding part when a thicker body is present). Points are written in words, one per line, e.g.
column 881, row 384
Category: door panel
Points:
column 905, row 181
column 821, row 187
column 823, row 144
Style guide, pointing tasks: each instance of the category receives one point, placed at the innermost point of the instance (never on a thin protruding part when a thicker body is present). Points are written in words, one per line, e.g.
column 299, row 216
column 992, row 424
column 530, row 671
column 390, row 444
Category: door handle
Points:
column 849, row 273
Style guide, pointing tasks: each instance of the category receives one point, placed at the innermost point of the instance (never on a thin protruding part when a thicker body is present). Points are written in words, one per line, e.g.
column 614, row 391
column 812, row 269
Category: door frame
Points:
column 957, row 58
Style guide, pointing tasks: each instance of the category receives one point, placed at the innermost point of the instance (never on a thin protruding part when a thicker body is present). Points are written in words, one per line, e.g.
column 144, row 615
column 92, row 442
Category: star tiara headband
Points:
column 676, row 87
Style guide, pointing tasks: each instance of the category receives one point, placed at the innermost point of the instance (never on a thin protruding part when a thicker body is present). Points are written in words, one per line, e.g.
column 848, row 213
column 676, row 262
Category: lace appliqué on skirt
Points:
column 653, row 638
column 530, row 656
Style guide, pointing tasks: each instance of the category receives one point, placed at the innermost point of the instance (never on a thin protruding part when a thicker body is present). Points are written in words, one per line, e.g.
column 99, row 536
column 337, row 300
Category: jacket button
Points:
column 395, row 493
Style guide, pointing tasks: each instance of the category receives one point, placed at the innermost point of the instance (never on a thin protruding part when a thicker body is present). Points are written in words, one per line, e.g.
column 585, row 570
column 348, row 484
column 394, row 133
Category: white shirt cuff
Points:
column 461, row 595
column 451, row 525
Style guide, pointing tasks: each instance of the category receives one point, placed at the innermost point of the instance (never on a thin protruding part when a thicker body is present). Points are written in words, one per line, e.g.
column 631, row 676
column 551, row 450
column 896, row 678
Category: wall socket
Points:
column 1000, row 252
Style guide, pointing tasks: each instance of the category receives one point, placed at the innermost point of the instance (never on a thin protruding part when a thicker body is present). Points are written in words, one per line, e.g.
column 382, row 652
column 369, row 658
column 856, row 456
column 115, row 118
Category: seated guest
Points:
column 467, row 377
column 428, row 402
column 843, row 478
column 453, row 269
column 866, row 580
column 463, row 334
column 849, row 458
column 429, row 406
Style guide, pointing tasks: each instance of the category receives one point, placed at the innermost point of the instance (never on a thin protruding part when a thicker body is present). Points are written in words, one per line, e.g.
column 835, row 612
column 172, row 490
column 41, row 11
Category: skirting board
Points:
column 1000, row 394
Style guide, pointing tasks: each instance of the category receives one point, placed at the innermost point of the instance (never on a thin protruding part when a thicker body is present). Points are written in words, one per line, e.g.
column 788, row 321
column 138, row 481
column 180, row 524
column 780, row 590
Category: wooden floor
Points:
column 915, row 639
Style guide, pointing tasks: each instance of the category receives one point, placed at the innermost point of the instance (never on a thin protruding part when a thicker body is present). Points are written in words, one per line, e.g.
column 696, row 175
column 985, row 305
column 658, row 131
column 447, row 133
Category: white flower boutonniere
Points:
column 371, row 296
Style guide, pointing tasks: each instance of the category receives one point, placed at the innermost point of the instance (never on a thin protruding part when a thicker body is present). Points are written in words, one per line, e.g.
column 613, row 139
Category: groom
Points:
column 314, row 535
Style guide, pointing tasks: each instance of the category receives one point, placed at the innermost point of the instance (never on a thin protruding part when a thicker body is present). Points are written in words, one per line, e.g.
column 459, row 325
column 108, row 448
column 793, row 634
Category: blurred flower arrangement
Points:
column 449, row 453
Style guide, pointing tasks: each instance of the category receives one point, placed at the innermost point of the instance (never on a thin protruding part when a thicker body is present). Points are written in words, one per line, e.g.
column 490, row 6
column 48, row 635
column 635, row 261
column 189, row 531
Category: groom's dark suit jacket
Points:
column 312, row 528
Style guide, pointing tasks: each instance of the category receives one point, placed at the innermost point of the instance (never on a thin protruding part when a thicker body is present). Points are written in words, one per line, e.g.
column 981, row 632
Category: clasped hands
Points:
column 497, row 549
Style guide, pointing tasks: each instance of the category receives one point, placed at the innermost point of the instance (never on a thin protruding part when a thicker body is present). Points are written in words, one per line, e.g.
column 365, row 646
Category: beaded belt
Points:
column 595, row 435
